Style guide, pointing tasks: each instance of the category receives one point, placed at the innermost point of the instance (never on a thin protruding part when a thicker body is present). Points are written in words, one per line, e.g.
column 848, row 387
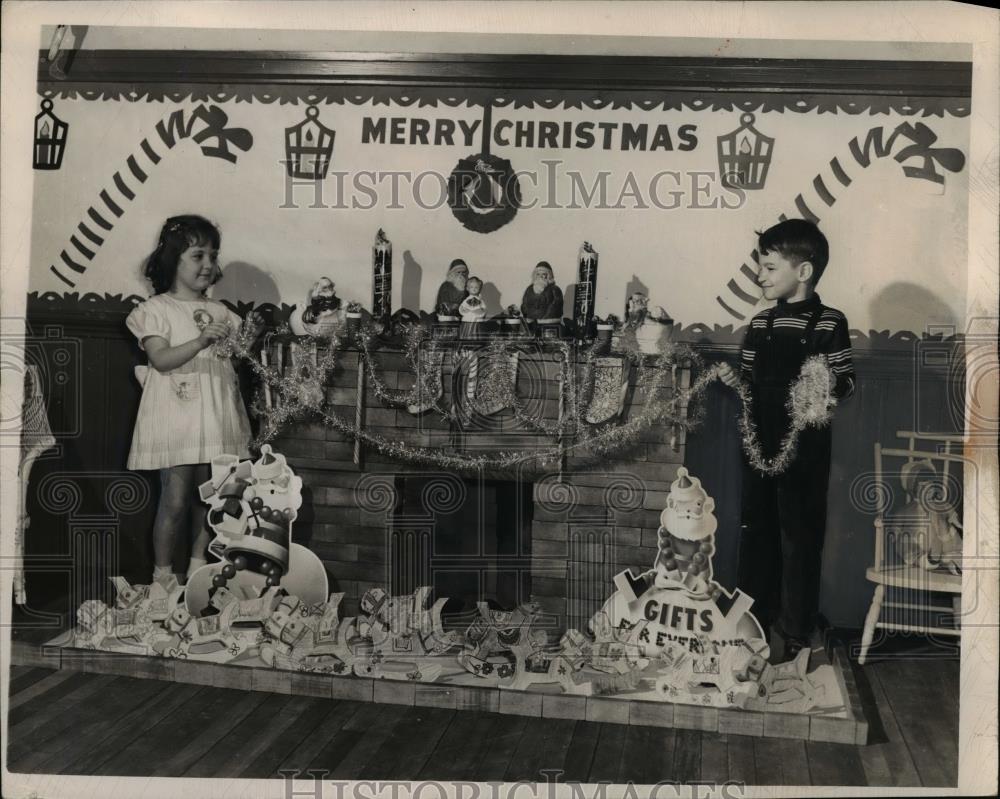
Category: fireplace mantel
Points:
column 590, row 517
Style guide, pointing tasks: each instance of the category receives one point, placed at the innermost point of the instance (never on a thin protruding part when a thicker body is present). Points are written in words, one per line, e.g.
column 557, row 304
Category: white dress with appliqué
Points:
column 194, row 412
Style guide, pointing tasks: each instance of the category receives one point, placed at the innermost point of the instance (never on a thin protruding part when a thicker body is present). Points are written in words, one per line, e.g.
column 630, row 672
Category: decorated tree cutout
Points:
column 252, row 506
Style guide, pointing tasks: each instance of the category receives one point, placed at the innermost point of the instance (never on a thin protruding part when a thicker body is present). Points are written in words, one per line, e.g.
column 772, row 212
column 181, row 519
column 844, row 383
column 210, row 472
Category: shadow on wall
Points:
column 569, row 300
column 634, row 285
column 242, row 282
column 66, row 42
column 713, row 454
column 413, row 274
column 492, row 299
column 897, row 305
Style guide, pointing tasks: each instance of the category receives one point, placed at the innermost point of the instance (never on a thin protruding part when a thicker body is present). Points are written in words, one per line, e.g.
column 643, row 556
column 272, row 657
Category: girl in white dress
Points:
column 191, row 409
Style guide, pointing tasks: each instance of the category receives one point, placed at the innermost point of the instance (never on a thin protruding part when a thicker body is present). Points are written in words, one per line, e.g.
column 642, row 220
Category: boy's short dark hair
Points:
column 798, row 239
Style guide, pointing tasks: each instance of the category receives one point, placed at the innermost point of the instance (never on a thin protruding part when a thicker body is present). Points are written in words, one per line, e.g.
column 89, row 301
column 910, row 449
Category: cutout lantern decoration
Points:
column 309, row 147
column 50, row 138
column 744, row 156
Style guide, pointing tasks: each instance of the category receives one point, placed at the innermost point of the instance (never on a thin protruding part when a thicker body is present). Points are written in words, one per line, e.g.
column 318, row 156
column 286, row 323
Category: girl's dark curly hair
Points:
column 178, row 233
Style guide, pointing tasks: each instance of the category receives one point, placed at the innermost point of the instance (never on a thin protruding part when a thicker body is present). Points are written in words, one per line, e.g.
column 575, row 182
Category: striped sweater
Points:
column 830, row 338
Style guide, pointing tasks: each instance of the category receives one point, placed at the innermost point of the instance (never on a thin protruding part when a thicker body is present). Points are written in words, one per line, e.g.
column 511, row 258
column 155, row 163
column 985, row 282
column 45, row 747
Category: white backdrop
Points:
column 898, row 243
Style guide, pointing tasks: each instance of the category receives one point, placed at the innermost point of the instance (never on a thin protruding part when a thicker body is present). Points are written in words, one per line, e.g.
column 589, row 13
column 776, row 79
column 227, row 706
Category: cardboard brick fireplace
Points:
column 555, row 536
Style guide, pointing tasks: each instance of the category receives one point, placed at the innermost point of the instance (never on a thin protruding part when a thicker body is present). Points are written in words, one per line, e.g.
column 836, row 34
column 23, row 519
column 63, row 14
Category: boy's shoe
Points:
column 791, row 646
column 792, row 649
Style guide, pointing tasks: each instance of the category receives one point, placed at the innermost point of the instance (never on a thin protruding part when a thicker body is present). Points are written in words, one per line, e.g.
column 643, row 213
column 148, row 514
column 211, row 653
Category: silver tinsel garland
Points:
column 810, row 403
column 423, row 386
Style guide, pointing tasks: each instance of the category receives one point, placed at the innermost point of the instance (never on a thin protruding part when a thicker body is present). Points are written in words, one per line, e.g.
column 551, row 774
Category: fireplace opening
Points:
column 469, row 539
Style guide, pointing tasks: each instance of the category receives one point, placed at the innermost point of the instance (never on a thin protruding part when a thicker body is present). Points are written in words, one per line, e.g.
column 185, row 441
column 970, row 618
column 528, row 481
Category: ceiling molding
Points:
column 946, row 79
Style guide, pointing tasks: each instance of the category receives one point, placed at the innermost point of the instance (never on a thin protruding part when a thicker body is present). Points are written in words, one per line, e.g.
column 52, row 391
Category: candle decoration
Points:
column 585, row 298
column 381, row 277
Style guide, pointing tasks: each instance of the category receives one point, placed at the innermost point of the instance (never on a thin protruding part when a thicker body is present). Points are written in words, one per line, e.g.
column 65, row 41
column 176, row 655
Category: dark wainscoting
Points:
column 86, row 357
column 916, row 385
column 92, row 402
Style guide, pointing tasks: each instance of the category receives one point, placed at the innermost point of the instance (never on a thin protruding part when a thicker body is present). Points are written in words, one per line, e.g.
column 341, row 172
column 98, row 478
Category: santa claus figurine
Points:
column 652, row 326
column 453, row 292
column 322, row 313
column 543, row 299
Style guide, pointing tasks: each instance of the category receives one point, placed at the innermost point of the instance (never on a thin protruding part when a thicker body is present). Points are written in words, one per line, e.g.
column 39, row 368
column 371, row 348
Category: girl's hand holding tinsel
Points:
column 213, row 332
column 254, row 324
column 235, row 343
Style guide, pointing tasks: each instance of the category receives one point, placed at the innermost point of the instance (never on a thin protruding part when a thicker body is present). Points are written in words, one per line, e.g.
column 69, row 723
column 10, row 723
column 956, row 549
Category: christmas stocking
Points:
column 309, row 384
column 492, row 384
column 429, row 388
column 610, row 388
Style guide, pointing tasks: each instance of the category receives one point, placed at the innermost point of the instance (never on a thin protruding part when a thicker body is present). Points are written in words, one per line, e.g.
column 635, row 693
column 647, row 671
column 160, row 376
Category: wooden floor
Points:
column 74, row 723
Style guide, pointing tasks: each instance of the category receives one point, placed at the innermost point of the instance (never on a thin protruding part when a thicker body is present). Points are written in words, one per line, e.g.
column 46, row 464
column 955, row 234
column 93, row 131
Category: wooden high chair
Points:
column 910, row 606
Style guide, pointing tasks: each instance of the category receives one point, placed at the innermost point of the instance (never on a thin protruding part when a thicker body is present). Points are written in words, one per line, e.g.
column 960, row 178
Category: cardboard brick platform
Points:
column 848, row 727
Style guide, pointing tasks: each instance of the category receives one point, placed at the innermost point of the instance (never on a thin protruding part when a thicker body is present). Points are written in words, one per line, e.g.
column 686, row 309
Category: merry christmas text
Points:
column 530, row 133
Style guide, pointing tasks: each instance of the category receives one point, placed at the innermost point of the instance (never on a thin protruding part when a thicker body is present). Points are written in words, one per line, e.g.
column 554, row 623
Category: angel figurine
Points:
column 473, row 309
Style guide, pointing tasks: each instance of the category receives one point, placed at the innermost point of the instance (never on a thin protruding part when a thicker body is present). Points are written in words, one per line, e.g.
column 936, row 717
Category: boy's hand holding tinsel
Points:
column 810, row 398
column 728, row 375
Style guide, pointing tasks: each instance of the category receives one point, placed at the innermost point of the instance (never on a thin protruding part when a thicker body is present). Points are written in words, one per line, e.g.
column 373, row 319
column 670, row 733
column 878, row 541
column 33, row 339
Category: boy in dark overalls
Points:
column 784, row 516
